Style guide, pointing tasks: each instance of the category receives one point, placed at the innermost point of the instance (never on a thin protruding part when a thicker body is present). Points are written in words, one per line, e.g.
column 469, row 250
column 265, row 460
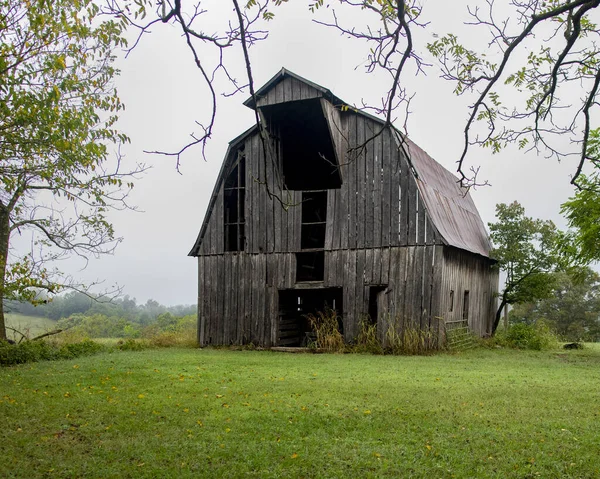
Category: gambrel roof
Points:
column 450, row 207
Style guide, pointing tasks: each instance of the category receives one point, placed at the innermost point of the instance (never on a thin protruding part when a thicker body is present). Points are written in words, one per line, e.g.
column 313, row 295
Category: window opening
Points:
column 314, row 217
column 234, row 196
column 466, row 306
column 451, row 300
column 310, row 266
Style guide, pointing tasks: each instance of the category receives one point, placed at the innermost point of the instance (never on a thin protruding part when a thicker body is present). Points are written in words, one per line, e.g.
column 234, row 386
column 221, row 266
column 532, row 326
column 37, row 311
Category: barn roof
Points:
column 450, row 206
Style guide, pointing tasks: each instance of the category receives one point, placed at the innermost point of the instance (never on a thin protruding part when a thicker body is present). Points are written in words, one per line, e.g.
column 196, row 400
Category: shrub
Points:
column 367, row 340
column 133, row 345
column 535, row 336
column 31, row 351
column 326, row 326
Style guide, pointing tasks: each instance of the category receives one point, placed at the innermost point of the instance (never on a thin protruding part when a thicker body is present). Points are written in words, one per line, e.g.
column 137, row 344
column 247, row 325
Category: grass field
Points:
column 217, row 413
column 30, row 325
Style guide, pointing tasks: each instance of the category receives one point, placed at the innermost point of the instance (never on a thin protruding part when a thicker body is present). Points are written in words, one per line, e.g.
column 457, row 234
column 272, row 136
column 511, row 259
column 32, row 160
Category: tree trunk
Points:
column 4, row 241
column 498, row 315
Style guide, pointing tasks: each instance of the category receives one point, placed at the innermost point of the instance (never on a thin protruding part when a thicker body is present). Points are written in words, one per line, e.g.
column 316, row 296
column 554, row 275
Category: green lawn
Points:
column 29, row 325
column 217, row 413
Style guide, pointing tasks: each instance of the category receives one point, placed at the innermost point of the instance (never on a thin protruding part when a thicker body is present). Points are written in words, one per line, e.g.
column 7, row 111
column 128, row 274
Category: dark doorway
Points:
column 296, row 304
column 375, row 297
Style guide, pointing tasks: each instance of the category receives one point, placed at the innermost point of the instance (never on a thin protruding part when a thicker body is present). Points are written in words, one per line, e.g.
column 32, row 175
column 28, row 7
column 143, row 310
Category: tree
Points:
column 573, row 308
column 58, row 110
column 583, row 214
column 526, row 251
column 532, row 75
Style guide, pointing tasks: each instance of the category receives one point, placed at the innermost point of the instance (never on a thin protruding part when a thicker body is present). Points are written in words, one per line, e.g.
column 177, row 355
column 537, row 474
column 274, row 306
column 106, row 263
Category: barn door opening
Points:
column 377, row 304
column 295, row 305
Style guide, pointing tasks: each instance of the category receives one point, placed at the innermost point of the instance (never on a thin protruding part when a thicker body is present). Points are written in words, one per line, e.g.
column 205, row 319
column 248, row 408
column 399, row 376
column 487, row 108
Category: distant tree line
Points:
column 118, row 318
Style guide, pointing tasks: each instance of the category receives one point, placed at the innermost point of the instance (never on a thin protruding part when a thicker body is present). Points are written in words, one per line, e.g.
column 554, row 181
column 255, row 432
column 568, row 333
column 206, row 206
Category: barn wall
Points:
column 238, row 295
column 378, row 204
column 463, row 271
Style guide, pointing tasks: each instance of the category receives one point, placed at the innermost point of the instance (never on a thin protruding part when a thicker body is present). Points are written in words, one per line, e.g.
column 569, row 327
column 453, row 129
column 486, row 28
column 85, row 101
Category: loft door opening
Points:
column 309, row 160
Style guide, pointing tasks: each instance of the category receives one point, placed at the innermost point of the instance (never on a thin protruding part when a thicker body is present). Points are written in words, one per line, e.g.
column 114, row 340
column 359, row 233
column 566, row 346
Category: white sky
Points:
column 164, row 95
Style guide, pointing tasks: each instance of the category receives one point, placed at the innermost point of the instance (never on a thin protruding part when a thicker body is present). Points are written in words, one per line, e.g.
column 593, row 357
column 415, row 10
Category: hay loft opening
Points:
column 309, row 159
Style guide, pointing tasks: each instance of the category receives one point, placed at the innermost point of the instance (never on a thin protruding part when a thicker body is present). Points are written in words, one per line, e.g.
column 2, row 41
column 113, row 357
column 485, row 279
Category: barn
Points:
column 326, row 207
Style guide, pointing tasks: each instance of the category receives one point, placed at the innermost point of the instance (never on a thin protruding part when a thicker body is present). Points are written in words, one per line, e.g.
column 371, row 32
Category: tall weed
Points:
column 367, row 340
column 410, row 340
column 326, row 326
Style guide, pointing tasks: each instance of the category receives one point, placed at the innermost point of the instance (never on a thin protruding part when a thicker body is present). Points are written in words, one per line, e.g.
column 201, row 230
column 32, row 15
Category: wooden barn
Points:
column 328, row 209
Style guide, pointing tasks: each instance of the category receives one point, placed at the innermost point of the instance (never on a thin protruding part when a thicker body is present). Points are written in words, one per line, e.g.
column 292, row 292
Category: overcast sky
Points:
column 164, row 95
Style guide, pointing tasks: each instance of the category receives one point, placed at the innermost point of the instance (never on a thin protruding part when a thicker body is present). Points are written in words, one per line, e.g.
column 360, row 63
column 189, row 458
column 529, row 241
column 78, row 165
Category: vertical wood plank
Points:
column 395, row 287
column 360, row 184
column 220, row 300
column 212, row 307
column 351, row 170
column 254, row 333
column 331, row 220
column 412, row 210
column 390, row 179
column 279, row 94
column 287, row 89
column 404, row 207
column 370, row 199
column 369, row 266
column 394, row 191
column 200, row 311
column 226, row 294
column 378, row 199
column 420, row 219
column 385, row 265
column 360, row 308
column 376, row 267
column 349, row 293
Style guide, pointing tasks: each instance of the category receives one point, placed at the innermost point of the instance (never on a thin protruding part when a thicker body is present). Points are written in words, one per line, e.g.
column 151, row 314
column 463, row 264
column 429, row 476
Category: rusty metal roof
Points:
column 450, row 206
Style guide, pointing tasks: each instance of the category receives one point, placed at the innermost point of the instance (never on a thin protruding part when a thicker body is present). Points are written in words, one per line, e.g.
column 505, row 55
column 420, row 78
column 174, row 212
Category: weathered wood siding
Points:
column 288, row 89
column 378, row 233
column 238, row 295
column 463, row 271
column 378, row 204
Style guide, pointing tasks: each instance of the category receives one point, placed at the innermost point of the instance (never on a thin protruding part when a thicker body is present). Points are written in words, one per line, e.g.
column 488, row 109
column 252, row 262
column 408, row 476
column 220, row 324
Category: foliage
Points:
column 573, row 309
column 74, row 302
column 530, row 69
column 326, row 326
column 526, row 250
column 32, row 351
column 583, row 214
column 132, row 345
column 58, row 108
column 367, row 340
column 410, row 340
column 537, row 336
column 219, row 413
